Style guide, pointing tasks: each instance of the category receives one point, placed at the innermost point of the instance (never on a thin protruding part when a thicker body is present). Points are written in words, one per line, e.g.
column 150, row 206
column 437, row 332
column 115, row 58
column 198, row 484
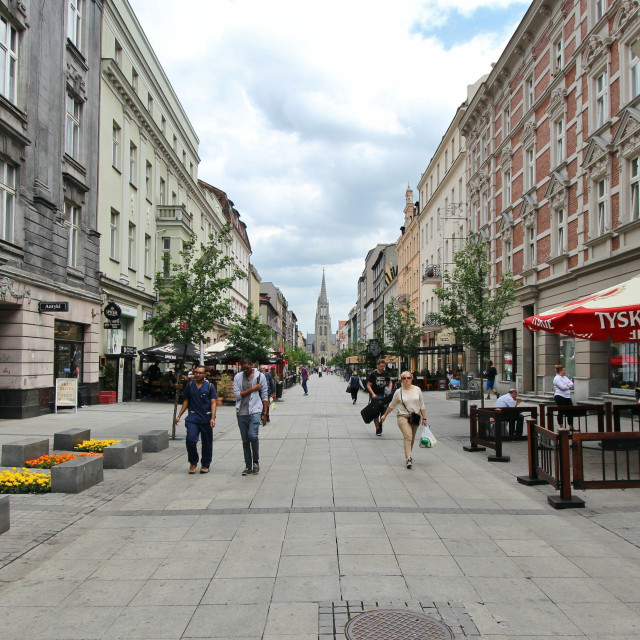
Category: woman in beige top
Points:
column 408, row 399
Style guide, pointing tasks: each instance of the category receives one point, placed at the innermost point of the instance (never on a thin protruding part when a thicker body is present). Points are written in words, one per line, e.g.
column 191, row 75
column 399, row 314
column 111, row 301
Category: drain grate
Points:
column 383, row 624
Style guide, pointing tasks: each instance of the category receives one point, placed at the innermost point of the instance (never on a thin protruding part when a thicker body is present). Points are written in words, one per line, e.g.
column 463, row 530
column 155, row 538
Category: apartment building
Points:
column 49, row 240
column 554, row 182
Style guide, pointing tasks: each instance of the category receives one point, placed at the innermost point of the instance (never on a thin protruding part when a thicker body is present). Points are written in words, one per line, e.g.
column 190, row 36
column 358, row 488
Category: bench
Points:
column 154, row 441
column 4, row 514
column 67, row 440
column 123, row 454
column 76, row 475
column 15, row 454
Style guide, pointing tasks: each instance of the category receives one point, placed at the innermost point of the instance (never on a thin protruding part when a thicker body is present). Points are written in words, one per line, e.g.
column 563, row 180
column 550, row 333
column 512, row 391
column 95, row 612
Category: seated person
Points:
column 511, row 399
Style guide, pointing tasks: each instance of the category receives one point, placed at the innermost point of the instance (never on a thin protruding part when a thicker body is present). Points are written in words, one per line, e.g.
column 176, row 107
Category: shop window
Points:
column 624, row 366
column 68, row 348
column 509, row 355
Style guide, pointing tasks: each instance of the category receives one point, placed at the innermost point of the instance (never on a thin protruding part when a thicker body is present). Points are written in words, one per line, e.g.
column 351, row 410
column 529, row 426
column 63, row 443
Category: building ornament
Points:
column 529, row 131
column 596, row 49
column 529, row 219
column 628, row 12
column 505, row 157
column 627, row 138
column 6, row 288
column 76, row 83
column 557, row 100
column 529, row 206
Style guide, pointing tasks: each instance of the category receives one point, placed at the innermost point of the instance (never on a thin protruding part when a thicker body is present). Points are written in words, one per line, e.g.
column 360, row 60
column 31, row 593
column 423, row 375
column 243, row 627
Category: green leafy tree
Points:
column 466, row 304
column 193, row 296
column 402, row 329
column 249, row 337
column 296, row 356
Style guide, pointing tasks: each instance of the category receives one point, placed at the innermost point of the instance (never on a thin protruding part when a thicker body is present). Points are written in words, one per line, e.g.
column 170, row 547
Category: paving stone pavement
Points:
column 333, row 525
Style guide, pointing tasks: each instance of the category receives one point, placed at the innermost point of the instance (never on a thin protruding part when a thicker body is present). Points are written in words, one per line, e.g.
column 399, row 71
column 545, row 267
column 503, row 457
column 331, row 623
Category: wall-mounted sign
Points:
column 113, row 325
column 128, row 351
column 53, row 306
column 112, row 311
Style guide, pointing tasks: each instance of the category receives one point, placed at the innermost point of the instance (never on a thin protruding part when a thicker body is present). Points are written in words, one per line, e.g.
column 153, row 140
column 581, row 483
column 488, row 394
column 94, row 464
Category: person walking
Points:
column 272, row 387
column 251, row 390
column 411, row 412
column 199, row 398
column 75, row 373
column 304, row 376
column 355, row 384
column 492, row 372
column 377, row 384
column 563, row 386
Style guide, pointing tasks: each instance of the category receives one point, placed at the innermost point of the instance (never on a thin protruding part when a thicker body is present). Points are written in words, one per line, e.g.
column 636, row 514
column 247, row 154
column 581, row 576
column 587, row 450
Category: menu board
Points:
column 66, row 393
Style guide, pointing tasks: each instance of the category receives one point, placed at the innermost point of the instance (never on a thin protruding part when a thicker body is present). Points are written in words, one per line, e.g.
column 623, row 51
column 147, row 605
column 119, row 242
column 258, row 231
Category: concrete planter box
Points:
column 15, row 454
column 154, row 441
column 76, row 475
column 66, row 440
column 4, row 514
column 123, row 454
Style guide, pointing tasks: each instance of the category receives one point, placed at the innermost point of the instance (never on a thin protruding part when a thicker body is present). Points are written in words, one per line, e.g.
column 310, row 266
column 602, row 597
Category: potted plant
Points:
column 225, row 389
column 109, row 395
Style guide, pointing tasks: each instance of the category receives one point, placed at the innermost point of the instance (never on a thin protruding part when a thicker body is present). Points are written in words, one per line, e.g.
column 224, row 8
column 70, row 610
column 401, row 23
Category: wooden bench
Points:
column 15, row 454
column 77, row 475
column 67, row 440
column 154, row 441
column 123, row 454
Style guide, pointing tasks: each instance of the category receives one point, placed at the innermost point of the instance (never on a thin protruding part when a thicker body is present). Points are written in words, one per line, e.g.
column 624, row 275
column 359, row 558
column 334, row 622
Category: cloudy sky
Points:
column 314, row 117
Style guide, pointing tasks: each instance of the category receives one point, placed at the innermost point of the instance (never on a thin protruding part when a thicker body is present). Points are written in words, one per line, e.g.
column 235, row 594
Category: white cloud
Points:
column 314, row 117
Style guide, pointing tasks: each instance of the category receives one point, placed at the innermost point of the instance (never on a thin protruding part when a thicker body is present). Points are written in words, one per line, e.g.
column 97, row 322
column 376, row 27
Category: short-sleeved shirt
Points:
column 199, row 401
column 505, row 401
column 379, row 381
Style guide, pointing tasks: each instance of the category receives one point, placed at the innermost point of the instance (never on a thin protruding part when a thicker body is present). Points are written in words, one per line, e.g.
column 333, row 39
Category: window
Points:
column 529, row 92
column 634, row 73
column 163, row 124
column 131, row 253
column 601, row 210
column 115, row 144
column 529, row 168
column 184, row 159
column 175, row 143
column 74, row 25
column 150, row 104
column 506, row 190
column 601, row 7
column 531, row 247
column 148, row 180
column 133, row 163
column 7, row 197
column 72, row 220
column 147, row 255
column 166, row 251
column 558, row 57
column 113, row 235
column 506, row 261
column 602, row 106
column 117, row 54
column 72, row 139
column 134, row 80
column 561, row 237
column 509, row 338
column 8, row 61
column 560, row 141
column 635, row 188
column 506, row 122
column 485, row 147
column 485, row 208
column 163, row 191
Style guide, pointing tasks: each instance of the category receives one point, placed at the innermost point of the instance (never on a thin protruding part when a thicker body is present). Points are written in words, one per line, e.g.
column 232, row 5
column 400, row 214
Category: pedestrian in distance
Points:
column 408, row 398
column 355, row 384
column 491, row 373
column 511, row 399
column 251, row 390
column 75, row 373
column 378, row 385
column 304, row 377
column 199, row 398
column 272, row 387
column 563, row 386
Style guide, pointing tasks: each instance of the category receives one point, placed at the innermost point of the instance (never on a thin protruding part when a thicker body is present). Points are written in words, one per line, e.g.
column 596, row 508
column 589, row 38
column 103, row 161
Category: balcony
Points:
column 174, row 215
column 430, row 321
column 432, row 274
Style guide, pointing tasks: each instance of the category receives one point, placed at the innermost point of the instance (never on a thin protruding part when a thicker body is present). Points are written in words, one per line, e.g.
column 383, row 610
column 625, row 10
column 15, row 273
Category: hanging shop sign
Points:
column 112, row 311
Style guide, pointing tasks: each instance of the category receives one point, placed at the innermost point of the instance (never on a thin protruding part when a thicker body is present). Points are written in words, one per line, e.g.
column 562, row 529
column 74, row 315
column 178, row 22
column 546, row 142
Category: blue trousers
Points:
column 304, row 386
column 204, row 431
column 249, row 426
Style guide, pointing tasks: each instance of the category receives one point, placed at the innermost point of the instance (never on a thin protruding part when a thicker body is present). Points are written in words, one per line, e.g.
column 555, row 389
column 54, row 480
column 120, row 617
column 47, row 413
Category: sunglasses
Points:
column 405, row 377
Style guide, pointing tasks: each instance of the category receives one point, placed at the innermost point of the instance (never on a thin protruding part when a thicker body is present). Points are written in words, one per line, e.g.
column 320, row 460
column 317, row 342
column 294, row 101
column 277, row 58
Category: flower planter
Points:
column 107, row 397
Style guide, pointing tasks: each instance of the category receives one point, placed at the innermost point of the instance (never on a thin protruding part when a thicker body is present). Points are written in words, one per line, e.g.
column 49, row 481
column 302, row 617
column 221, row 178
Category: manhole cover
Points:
column 388, row 624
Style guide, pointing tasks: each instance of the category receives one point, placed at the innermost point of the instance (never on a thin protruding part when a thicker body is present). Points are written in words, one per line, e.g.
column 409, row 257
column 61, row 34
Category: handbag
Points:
column 348, row 389
column 414, row 418
column 371, row 411
column 427, row 439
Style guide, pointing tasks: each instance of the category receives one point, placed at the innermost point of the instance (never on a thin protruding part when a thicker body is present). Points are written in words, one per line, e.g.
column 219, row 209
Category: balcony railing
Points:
column 432, row 274
column 430, row 321
column 174, row 213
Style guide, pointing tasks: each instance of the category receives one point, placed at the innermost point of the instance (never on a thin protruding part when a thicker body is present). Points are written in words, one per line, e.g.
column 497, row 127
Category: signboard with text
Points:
column 66, row 393
column 53, row 306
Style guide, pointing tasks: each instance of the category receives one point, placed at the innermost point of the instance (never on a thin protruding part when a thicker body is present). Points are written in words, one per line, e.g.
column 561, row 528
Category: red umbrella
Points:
column 611, row 313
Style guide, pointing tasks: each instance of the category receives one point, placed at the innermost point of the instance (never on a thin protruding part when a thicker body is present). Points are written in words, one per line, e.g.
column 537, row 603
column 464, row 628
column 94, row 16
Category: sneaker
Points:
column 256, row 468
column 354, row 402
column 378, row 431
column 409, row 463
column 247, row 471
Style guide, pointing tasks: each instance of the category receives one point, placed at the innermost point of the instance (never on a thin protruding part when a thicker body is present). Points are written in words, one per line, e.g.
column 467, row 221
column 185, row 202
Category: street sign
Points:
column 112, row 311
column 53, row 306
column 113, row 325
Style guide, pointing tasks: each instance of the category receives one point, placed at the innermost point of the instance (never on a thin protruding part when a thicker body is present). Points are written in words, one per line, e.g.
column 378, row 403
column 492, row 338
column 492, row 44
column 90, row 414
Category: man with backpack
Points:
column 199, row 398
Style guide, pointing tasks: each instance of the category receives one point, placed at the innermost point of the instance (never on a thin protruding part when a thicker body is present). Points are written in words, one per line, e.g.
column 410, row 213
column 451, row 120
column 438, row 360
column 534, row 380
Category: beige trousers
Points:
column 408, row 433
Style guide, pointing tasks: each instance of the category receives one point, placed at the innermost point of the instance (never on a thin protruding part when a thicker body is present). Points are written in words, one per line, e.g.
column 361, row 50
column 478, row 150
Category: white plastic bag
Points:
column 427, row 439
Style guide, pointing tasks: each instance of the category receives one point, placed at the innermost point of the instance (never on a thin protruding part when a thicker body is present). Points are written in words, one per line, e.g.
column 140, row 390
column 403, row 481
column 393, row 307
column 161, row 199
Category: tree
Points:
column 193, row 296
column 296, row 356
column 249, row 338
column 466, row 304
column 402, row 329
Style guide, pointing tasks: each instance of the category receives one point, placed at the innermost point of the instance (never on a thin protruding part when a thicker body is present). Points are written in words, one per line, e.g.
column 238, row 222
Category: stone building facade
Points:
column 49, row 239
column 554, row 182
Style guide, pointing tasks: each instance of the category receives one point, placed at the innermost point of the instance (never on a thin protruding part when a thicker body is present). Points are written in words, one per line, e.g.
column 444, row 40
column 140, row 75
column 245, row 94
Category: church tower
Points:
column 323, row 345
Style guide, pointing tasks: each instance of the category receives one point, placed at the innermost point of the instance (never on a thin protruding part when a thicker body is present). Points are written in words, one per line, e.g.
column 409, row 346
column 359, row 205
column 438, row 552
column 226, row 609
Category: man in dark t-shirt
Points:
column 377, row 382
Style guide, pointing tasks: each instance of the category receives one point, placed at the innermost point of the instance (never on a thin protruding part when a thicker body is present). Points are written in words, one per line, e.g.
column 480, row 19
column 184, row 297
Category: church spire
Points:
column 323, row 290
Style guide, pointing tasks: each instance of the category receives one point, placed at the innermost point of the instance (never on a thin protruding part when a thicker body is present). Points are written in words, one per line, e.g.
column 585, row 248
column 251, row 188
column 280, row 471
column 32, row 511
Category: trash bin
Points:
column 279, row 387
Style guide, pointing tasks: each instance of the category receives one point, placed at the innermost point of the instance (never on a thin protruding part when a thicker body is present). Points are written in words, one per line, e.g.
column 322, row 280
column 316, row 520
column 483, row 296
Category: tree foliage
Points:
column 466, row 304
column 249, row 337
column 296, row 356
column 402, row 330
column 193, row 295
